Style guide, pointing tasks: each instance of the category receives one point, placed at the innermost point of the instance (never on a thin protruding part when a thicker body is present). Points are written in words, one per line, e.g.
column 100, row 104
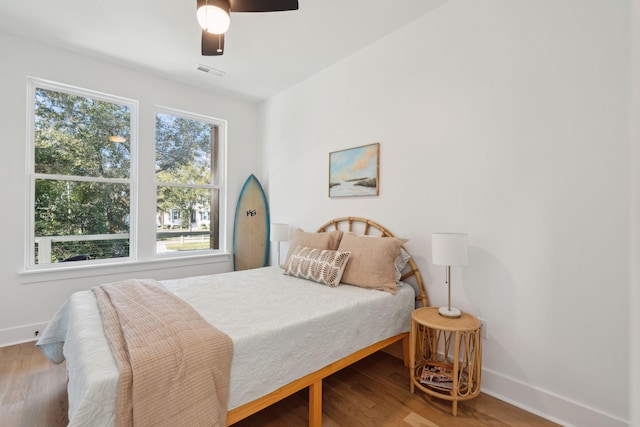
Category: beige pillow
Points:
column 372, row 261
column 320, row 265
column 328, row 240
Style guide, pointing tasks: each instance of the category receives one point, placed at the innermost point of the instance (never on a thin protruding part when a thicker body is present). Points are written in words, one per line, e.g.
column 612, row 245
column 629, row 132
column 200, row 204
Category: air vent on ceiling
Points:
column 210, row 71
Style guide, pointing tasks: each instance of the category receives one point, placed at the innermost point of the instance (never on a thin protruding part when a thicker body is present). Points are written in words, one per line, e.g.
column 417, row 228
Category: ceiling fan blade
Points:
column 212, row 44
column 263, row 5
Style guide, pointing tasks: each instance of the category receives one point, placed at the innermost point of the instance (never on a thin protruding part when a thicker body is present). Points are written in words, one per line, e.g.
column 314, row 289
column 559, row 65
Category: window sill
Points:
column 117, row 268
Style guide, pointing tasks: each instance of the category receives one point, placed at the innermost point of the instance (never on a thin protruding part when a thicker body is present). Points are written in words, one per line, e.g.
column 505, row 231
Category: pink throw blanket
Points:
column 174, row 366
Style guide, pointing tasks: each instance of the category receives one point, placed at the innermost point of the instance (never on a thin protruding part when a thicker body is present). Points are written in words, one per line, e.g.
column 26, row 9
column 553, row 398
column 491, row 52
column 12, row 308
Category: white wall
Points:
column 25, row 307
column 507, row 120
column 634, row 290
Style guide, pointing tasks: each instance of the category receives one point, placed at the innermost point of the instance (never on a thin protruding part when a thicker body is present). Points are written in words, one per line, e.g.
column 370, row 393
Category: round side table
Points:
column 445, row 355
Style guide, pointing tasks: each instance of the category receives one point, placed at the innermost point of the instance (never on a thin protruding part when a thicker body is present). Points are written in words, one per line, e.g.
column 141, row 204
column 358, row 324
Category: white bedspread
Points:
column 282, row 328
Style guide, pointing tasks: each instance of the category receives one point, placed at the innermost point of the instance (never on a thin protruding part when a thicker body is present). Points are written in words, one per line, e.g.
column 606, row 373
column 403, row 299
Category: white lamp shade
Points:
column 279, row 232
column 449, row 249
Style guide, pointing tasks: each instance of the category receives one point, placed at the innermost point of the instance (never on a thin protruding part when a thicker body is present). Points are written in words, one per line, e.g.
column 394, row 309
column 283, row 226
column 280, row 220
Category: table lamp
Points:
column 449, row 249
column 279, row 233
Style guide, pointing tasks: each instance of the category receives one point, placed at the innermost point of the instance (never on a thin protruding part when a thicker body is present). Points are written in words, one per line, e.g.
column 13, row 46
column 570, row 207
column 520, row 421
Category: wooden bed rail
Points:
column 314, row 382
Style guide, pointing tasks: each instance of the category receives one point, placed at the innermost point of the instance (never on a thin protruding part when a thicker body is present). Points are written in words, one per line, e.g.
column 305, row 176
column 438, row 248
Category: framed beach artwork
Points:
column 355, row 171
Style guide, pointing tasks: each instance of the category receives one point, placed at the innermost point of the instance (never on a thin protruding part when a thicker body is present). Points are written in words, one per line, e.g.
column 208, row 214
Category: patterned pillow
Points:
column 320, row 265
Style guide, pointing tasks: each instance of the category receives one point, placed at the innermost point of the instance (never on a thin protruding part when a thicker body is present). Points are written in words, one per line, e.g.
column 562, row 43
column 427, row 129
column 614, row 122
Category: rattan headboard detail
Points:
column 348, row 222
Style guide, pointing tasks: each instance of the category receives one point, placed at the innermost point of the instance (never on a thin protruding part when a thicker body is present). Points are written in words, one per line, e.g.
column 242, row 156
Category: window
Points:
column 188, row 182
column 81, row 175
column 83, row 183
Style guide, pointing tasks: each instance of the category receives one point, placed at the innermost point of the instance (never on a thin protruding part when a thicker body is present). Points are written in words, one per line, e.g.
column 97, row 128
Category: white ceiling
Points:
column 265, row 53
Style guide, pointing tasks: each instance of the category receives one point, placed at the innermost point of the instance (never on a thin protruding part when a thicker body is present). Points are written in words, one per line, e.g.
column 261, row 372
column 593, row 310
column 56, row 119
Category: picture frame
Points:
column 355, row 171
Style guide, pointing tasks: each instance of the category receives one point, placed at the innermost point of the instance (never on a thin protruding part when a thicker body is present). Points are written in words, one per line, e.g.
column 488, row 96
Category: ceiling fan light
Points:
column 214, row 17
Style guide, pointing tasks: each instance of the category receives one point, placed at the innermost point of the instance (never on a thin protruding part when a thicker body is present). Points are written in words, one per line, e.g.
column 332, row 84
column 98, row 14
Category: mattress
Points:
column 282, row 328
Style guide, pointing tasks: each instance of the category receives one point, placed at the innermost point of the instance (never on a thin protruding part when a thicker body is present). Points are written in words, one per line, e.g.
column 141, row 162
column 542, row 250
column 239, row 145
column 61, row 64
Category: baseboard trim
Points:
column 548, row 405
column 21, row 334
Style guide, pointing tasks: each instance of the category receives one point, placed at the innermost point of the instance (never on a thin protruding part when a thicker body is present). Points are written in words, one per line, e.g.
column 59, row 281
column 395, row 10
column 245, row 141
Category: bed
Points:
column 288, row 332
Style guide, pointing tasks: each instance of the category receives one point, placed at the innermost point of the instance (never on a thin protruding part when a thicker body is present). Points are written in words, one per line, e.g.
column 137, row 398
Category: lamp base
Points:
column 453, row 313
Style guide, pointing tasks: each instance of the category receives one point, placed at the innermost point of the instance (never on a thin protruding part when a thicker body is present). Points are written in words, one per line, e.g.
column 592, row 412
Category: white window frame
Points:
column 220, row 186
column 32, row 176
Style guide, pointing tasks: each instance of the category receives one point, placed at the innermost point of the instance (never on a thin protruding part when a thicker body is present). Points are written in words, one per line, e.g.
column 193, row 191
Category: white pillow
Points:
column 400, row 262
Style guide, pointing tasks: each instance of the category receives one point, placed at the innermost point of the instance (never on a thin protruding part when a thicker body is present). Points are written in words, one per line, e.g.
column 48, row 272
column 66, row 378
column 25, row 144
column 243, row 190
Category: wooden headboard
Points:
column 370, row 228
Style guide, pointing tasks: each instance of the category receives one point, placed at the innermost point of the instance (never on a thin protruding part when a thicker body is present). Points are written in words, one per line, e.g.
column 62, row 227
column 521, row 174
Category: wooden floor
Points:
column 372, row 392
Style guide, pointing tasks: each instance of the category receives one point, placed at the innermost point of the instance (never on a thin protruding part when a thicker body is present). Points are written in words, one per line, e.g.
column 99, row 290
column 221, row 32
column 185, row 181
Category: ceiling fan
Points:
column 213, row 17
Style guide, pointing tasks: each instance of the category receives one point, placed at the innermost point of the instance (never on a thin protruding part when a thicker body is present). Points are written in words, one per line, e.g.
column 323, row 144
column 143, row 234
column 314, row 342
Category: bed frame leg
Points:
column 405, row 351
column 315, row 404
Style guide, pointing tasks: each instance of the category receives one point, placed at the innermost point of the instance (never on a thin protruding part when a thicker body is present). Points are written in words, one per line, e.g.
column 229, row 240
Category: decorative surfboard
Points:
column 251, row 227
